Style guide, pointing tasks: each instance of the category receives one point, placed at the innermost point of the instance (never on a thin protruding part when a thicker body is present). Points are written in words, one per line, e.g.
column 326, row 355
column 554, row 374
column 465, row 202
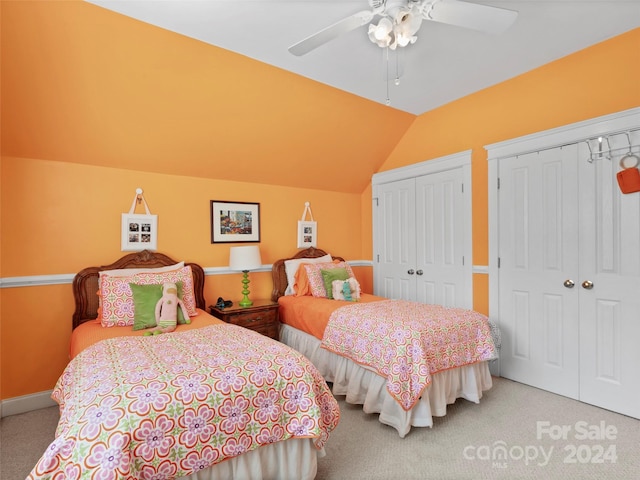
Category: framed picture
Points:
column 139, row 232
column 307, row 234
column 235, row 222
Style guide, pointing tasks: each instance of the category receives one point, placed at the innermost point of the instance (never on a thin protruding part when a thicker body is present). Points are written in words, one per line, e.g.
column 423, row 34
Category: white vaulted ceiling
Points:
column 446, row 62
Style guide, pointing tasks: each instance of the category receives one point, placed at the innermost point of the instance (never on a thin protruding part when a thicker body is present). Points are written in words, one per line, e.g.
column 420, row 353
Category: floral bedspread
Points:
column 406, row 342
column 166, row 406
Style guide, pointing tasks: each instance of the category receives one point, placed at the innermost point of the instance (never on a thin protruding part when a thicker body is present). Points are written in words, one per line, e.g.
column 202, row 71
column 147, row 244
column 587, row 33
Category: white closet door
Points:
column 538, row 251
column 422, row 232
column 610, row 310
column 440, row 274
column 596, row 246
column 397, row 231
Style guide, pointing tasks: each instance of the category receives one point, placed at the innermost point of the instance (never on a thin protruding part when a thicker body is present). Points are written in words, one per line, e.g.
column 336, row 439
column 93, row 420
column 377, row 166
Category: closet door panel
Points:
column 427, row 290
column 396, row 212
column 519, row 339
column 440, row 238
column 610, row 309
column 538, row 254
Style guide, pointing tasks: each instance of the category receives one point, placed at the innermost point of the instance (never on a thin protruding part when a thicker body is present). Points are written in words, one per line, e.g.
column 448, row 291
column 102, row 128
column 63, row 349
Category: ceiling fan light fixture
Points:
column 382, row 34
column 383, row 29
column 415, row 20
column 407, row 24
column 396, row 28
column 403, row 41
column 406, row 17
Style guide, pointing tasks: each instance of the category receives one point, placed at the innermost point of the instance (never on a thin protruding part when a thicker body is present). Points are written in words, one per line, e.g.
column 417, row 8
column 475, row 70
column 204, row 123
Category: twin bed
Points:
column 199, row 404
column 410, row 372
column 196, row 403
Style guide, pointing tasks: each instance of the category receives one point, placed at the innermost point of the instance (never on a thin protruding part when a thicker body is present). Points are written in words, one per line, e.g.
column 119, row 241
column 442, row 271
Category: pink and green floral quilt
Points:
column 407, row 342
column 167, row 406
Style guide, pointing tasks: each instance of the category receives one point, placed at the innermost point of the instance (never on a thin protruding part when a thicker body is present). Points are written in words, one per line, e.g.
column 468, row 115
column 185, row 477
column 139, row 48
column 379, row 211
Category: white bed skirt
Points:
column 364, row 387
column 294, row 459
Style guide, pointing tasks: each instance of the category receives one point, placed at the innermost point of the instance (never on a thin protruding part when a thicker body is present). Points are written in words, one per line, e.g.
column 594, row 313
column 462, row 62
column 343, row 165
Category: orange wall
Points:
column 86, row 85
column 88, row 115
column 64, row 217
column 599, row 80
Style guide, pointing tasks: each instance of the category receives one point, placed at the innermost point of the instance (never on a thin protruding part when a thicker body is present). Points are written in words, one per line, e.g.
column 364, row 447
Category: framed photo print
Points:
column 235, row 222
column 307, row 234
column 139, row 232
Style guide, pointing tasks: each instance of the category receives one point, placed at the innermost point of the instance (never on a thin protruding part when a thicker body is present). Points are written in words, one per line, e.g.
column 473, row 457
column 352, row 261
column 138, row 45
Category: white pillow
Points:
column 291, row 267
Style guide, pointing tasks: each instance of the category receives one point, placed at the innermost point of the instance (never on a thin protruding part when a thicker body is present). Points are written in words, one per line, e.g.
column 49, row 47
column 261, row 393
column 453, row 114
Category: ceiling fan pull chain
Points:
column 388, row 102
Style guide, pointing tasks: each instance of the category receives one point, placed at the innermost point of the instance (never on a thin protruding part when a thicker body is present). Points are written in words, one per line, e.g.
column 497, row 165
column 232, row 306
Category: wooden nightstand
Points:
column 262, row 316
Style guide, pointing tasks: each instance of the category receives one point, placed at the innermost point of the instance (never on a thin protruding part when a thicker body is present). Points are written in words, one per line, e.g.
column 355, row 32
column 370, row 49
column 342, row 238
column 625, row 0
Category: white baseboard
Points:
column 494, row 367
column 26, row 403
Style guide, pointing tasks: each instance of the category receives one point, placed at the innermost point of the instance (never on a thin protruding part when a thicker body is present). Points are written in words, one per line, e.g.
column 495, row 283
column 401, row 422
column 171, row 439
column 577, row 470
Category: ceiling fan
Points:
column 400, row 20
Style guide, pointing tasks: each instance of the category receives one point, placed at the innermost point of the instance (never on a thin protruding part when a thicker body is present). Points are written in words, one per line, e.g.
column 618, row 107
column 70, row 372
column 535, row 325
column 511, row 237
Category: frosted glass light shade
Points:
column 245, row 258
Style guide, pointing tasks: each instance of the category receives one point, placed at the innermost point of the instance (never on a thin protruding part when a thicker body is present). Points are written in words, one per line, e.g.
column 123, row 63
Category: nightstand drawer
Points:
column 261, row 317
column 268, row 330
column 254, row 320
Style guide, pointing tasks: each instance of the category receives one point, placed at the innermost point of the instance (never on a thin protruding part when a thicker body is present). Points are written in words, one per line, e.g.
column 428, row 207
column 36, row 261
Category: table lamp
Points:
column 244, row 259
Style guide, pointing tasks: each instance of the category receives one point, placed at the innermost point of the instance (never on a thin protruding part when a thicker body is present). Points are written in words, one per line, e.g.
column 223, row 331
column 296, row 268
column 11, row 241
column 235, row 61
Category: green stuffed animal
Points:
column 346, row 291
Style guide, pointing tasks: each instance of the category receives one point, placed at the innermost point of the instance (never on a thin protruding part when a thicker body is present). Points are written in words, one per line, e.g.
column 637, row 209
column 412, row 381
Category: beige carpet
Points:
column 23, row 440
column 459, row 446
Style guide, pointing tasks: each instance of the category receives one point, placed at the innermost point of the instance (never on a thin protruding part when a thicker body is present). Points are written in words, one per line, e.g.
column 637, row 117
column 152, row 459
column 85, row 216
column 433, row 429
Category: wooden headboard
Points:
column 85, row 283
column 279, row 274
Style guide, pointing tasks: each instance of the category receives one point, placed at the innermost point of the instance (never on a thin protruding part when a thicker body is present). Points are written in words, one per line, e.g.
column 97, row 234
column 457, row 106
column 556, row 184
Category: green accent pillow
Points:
column 328, row 276
column 145, row 299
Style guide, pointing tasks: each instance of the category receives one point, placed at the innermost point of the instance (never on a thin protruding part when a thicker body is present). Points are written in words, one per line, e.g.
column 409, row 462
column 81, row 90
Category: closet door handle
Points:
column 569, row 283
column 587, row 284
column 419, row 272
column 411, row 272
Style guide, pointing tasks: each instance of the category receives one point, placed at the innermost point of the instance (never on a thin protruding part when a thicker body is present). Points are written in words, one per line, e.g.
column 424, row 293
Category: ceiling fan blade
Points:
column 333, row 31
column 472, row 15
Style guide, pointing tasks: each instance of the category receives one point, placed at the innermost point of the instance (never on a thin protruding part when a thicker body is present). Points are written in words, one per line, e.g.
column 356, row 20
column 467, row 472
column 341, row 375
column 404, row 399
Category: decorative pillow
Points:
column 291, row 267
column 315, row 277
column 129, row 272
column 117, row 300
column 301, row 285
column 145, row 299
column 338, row 289
column 328, row 276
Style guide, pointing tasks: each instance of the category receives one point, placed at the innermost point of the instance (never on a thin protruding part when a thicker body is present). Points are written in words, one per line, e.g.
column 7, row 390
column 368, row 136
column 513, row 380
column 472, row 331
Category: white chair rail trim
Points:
column 40, row 280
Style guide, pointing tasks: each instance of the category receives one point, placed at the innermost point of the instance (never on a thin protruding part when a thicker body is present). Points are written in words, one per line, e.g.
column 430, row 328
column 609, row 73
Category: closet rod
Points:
column 575, row 142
